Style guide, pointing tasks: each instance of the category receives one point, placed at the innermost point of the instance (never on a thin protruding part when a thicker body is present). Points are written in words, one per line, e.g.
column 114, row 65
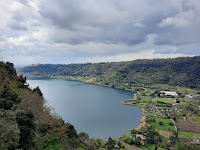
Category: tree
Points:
column 82, row 136
column 9, row 131
column 111, row 144
column 152, row 136
column 25, row 120
column 71, row 136
column 133, row 131
column 8, row 97
column 37, row 90
column 52, row 143
column 22, row 81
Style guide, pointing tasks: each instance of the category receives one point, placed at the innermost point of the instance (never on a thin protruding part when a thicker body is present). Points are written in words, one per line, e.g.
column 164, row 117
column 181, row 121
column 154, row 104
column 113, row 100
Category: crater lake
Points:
column 93, row 109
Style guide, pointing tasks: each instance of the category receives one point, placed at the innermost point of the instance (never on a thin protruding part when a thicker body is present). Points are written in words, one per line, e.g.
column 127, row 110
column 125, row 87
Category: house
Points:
column 168, row 94
column 141, row 136
column 175, row 102
column 188, row 96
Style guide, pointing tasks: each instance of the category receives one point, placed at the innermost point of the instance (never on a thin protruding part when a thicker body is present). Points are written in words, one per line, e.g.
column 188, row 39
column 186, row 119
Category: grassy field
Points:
column 142, row 104
column 152, row 114
column 150, row 147
column 166, row 100
column 146, row 99
column 164, row 133
column 188, row 135
column 187, row 90
column 196, row 118
column 165, row 125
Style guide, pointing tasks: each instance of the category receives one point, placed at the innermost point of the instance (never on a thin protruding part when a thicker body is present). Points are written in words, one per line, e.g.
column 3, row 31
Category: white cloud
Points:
column 182, row 19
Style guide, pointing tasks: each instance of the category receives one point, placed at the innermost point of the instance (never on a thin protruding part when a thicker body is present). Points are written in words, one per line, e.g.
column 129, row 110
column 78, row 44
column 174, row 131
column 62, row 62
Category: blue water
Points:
column 93, row 109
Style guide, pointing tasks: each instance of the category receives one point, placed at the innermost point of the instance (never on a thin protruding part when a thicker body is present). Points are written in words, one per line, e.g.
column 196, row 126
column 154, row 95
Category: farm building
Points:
column 168, row 94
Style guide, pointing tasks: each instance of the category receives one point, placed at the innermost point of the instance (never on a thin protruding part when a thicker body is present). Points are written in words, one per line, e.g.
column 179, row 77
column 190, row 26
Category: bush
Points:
column 133, row 131
column 161, row 123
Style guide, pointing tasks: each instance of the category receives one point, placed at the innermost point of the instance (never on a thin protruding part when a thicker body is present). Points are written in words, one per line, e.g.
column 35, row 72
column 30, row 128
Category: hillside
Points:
column 182, row 71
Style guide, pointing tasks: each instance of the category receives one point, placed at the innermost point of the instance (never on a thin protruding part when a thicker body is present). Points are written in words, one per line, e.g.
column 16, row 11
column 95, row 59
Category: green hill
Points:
column 182, row 71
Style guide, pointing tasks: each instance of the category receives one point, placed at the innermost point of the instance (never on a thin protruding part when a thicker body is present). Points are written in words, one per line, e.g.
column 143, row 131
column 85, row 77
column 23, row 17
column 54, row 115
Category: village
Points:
column 171, row 118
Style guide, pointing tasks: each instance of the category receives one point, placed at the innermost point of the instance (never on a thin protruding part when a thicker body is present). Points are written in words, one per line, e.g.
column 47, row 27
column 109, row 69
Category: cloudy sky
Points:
column 79, row 31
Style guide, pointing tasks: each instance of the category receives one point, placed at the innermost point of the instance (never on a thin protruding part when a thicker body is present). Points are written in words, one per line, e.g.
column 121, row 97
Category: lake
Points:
column 93, row 109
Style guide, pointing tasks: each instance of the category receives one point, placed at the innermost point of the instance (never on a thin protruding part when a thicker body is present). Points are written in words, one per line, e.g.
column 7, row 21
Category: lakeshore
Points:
column 143, row 123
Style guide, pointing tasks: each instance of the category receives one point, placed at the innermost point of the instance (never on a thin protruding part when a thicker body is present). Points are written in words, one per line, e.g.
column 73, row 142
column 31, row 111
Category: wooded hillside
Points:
column 183, row 71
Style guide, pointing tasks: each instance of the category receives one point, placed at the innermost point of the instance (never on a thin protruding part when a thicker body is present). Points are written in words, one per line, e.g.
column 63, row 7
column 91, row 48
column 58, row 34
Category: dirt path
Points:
column 131, row 147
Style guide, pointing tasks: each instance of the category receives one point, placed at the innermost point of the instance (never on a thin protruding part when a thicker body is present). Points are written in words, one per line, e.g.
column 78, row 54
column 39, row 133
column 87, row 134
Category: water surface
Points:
column 93, row 109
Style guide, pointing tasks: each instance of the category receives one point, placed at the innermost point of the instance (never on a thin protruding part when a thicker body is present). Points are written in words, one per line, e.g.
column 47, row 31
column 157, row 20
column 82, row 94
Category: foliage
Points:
column 152, row 136
column 8, row 97
column 83, row 136
column 37, row 90
column 111, row 144
column 72, row 136
column 25, row 120
column 9, row 131
column 52, row 143
column 133, row 131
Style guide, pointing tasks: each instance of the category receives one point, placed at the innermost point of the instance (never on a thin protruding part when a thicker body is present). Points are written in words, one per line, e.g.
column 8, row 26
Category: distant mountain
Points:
column 183, row 71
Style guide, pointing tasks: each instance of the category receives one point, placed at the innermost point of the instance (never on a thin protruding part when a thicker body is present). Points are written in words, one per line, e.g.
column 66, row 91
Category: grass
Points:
column 149, row 147
column 166, row 100
column 165, row 125
column 164, row 133
column 146, row 99
column 152, row 113
column 196, row 118
column 187, row 90
column 142, row 104
column 188, row 135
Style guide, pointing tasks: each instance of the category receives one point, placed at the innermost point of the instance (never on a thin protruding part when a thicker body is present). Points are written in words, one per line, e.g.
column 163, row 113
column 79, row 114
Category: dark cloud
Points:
column 113, row 22
column 105, row 28
column 78, row 23
column 17, row 26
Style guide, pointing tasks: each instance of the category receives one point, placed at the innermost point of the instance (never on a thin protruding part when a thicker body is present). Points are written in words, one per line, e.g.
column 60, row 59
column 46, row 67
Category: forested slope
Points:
column 183, row 71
